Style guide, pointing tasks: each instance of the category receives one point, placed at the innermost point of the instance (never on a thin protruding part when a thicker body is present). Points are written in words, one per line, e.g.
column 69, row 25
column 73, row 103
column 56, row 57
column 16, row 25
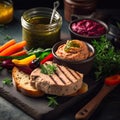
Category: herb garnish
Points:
column 52, row 101
column 7, row 81
column 8, row 37
column 70, row 44
column 48, row 69
column 107, row 60
column 38, row 51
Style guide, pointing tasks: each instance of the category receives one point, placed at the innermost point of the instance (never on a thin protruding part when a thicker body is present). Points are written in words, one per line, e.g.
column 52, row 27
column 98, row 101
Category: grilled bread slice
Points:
column 63, row 82
column 21, row 82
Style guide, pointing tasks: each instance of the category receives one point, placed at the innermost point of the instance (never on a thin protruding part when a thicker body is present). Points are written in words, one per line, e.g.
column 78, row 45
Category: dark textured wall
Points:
column 25, row 4
column 108, row 4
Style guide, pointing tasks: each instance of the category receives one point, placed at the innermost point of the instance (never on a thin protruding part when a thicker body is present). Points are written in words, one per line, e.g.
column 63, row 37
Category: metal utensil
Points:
column 56, row 5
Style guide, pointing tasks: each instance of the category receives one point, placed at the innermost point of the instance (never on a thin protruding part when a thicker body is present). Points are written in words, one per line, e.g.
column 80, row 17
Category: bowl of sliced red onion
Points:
column 87, row 29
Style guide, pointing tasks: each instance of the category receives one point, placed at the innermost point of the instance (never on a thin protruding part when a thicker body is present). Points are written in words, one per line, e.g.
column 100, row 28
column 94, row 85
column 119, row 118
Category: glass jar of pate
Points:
column 37, row 30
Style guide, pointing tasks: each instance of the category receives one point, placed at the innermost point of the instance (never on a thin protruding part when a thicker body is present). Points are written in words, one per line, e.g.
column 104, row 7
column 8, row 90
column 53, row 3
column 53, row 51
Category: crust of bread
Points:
column 22, row 84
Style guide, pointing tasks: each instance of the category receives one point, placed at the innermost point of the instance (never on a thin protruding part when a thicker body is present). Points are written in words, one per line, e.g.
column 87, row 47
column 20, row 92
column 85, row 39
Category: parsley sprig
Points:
column 7, row 81
column 48, row 69
column 52, row 101
column 107, row 60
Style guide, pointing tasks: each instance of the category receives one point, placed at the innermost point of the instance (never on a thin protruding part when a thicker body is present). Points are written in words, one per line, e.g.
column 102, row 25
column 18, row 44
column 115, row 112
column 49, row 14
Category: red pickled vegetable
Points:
column 113, row 80
column 47, row 58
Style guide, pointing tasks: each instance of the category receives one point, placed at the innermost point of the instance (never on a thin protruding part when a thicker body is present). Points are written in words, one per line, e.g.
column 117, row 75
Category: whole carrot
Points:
column 20, row 53
column 13, row 49
column 7, row 44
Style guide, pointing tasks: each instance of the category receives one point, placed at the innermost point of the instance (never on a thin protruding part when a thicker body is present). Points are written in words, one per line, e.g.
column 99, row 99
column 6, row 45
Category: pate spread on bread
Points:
column 64, row 81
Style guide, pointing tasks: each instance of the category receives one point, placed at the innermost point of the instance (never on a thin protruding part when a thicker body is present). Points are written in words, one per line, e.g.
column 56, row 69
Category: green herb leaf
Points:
column 7, row 81
column 118, row 25
column 70, row 44
column 107, row 60
column 8, row 37
column 48, row 69
column 52, row 101
column 40, row 52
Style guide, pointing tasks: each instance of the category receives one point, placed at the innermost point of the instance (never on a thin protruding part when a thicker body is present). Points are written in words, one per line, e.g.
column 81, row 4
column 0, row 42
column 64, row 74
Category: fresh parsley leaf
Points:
column 48, row 69
column 107, row 60
column 7, row 81
column 52, row 101
column 8, row 37
column 38, row 52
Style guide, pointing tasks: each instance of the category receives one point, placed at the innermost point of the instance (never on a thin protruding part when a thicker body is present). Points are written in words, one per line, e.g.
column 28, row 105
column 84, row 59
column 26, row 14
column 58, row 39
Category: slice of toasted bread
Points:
column 21, row 82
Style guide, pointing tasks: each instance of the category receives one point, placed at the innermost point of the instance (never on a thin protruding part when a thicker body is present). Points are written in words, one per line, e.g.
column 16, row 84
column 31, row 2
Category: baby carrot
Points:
column 20, row 53
column 7, row 44
column 13, row 49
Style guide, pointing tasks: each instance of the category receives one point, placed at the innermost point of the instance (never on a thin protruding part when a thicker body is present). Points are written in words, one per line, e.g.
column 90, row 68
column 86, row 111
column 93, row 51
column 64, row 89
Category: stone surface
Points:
column 9, row 112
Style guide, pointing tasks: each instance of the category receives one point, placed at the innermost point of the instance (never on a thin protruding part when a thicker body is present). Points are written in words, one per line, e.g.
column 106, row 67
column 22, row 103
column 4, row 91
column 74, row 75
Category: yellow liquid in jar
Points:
column 6, row 12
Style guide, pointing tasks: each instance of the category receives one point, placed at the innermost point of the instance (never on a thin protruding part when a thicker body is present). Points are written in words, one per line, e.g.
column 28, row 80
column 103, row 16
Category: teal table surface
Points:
column 108, row 110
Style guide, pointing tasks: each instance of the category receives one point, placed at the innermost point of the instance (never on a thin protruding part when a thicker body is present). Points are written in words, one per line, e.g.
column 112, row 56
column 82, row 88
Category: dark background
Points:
column 25, row 4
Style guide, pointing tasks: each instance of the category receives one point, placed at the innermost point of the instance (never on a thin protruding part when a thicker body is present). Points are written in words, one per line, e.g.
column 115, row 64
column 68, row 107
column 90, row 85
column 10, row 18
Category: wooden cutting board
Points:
column 38, row 107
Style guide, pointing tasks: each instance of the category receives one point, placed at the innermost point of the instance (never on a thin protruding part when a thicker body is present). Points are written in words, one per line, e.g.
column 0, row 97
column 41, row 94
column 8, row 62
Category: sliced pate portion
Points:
column 64, row 81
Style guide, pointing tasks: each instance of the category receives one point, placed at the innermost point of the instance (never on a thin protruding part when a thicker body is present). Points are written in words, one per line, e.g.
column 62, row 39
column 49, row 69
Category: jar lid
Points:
column 81, row 2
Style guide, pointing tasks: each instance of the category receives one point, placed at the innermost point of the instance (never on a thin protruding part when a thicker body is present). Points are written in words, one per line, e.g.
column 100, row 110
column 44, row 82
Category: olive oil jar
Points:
column 37, row 30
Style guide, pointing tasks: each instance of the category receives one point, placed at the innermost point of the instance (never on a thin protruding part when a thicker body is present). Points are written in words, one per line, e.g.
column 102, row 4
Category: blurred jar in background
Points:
column 6, row 11
column 37, row 30
column 79, row 7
